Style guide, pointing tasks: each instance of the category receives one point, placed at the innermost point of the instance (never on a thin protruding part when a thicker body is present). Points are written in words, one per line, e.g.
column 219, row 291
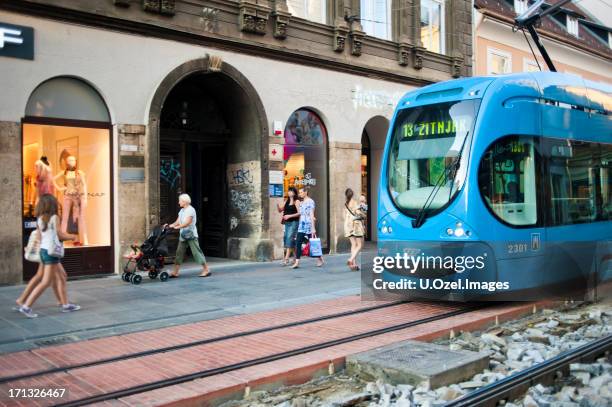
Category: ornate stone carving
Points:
column 403, row 57
column 281, row 21
column 166, row 7
column 122, row 3
column 457, row 64
column 418, row 52
column 253, row 17
column 215, row 63
column 151, row 5
column 340, row 34
column 356, row 42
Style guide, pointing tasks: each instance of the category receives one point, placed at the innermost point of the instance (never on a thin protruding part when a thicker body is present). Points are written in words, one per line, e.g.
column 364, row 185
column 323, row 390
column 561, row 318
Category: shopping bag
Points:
column 315, row 247
column 57, row 247
column 306, row 249
column 32, row 250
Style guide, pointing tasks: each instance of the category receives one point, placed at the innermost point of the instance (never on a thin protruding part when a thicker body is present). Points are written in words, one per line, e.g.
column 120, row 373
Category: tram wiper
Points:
column 453, row 165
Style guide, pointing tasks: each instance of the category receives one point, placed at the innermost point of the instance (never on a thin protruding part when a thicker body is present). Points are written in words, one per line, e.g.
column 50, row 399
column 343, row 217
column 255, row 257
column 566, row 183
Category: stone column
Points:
column 276, row 229
column 345, row 172
column 11, row 235
column 132, row 207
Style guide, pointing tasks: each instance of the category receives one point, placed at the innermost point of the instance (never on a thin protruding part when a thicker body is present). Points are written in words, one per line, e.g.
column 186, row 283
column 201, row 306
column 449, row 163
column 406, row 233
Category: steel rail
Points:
column 517, row 384
column 149, row 352
column 257, row 361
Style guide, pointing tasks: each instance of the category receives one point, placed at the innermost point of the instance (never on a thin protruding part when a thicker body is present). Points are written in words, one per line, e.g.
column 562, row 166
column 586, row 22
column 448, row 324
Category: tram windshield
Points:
column 426, row 147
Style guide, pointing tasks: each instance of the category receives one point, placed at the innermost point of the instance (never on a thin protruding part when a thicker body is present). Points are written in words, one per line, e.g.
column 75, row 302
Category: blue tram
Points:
column 513, row 170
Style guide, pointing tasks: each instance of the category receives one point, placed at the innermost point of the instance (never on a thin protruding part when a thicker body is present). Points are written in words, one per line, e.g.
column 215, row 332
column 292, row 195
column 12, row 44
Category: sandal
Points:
column 206, row 275
column 173, row 276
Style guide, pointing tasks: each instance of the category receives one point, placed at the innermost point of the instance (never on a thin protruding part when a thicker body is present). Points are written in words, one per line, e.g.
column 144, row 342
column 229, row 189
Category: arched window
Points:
column 305, row 162
column 67, row 98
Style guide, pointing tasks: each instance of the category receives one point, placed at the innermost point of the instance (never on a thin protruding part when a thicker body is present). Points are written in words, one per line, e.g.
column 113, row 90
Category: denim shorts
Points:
column 290, row 233
column 45, row 258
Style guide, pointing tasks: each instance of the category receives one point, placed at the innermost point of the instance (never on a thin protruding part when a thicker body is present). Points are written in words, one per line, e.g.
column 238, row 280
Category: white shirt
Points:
column 185, row 213
column 49, row 236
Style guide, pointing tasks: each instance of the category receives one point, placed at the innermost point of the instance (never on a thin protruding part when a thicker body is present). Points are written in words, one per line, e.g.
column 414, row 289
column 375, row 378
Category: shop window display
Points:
column 72, row 163
column 305, row 162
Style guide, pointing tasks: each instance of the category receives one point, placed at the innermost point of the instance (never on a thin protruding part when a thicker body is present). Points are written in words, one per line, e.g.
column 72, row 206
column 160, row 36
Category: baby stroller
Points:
column 148, row 257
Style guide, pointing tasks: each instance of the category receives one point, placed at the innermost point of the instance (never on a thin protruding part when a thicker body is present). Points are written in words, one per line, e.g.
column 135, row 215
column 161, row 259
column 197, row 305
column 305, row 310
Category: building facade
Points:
column 577, row 43
column 119, row 107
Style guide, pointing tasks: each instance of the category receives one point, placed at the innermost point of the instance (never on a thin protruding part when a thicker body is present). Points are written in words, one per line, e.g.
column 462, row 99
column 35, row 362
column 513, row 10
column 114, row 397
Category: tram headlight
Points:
column 384, row 229
column 457, row 230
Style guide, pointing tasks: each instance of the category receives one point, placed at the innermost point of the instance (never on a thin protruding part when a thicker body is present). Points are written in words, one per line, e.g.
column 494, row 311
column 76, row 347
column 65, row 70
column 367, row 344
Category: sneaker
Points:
column 27, row 312
column 70, row 307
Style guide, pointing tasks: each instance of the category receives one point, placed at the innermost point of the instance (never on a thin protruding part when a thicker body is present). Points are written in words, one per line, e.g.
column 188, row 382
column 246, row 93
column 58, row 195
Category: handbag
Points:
column 187, row 234
column 306, row 249
column 57, row 247
column 32, row 249
column 316, row 250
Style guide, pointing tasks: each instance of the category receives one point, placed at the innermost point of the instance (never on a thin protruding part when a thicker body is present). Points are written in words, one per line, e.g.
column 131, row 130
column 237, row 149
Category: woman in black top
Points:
column 290, row 219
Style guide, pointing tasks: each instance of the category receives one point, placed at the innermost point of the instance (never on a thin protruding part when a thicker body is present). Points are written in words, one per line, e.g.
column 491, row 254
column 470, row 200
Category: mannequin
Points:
column 44, row 179
column 72, row 184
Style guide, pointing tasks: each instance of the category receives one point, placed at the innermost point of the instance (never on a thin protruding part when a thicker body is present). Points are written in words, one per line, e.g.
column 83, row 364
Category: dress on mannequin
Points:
column 72, row 183
column 44, row 179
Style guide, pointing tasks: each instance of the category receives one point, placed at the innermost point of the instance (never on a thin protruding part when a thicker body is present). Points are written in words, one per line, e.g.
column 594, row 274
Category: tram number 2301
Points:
column 515, row 248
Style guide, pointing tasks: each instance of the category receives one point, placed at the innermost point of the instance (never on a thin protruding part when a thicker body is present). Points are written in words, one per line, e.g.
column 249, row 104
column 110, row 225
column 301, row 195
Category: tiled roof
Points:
column 550, row 27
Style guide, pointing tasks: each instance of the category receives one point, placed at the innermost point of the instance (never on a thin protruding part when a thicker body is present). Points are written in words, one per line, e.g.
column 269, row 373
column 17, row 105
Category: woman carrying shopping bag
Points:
column 306, row 228
column 51, row 253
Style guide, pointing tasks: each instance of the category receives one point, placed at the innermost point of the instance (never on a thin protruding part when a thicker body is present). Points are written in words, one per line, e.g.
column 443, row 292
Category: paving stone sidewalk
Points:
column 111, row 306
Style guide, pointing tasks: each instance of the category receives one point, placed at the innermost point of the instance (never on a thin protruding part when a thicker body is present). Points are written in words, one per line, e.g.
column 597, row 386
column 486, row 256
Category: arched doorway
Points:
column 208, row 127
column 305, row 163
column 67, row 152
column 372, row 145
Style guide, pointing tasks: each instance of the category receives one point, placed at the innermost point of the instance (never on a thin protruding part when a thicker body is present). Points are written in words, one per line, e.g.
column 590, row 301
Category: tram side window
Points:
column 577, row 177
column 605, row 181
column 507, row 180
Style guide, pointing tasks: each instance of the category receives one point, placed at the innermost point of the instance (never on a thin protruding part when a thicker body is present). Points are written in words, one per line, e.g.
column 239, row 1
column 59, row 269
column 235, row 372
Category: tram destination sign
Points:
column 435, row 129
column 16, row 41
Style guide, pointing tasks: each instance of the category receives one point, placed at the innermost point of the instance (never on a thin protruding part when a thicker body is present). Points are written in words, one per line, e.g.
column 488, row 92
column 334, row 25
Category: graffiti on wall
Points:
column 170, row 172
column 241, row 176
column 241, row 201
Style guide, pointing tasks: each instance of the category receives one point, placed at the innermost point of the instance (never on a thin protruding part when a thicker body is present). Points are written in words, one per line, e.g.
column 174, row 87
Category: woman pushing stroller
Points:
column 188, row 236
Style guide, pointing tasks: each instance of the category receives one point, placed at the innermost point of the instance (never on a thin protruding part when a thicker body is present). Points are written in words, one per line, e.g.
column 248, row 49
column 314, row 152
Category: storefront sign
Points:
column 373, row 99
column 276, row 190
column 129, row 147
column 276, row 152
column 276, row 177
column 16, row 41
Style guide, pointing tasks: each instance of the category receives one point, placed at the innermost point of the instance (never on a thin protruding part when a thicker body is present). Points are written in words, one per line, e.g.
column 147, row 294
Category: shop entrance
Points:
column 372, row 146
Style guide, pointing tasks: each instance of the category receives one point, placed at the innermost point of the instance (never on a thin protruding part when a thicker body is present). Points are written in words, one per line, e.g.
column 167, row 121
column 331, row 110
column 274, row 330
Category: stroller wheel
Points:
column 152, row 275
column 136, row 279
column 163, row 276
column 125, row 276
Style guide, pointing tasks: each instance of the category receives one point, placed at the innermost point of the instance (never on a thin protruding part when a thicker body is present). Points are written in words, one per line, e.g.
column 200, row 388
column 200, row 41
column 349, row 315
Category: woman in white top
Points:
column 188, row 236
column 50, row 236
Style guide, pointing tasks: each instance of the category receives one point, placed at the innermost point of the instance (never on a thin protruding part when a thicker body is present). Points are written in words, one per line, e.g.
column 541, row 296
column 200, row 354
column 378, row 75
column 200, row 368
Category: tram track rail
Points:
column 143, row 388
column 516, row 385
column 206, row 341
